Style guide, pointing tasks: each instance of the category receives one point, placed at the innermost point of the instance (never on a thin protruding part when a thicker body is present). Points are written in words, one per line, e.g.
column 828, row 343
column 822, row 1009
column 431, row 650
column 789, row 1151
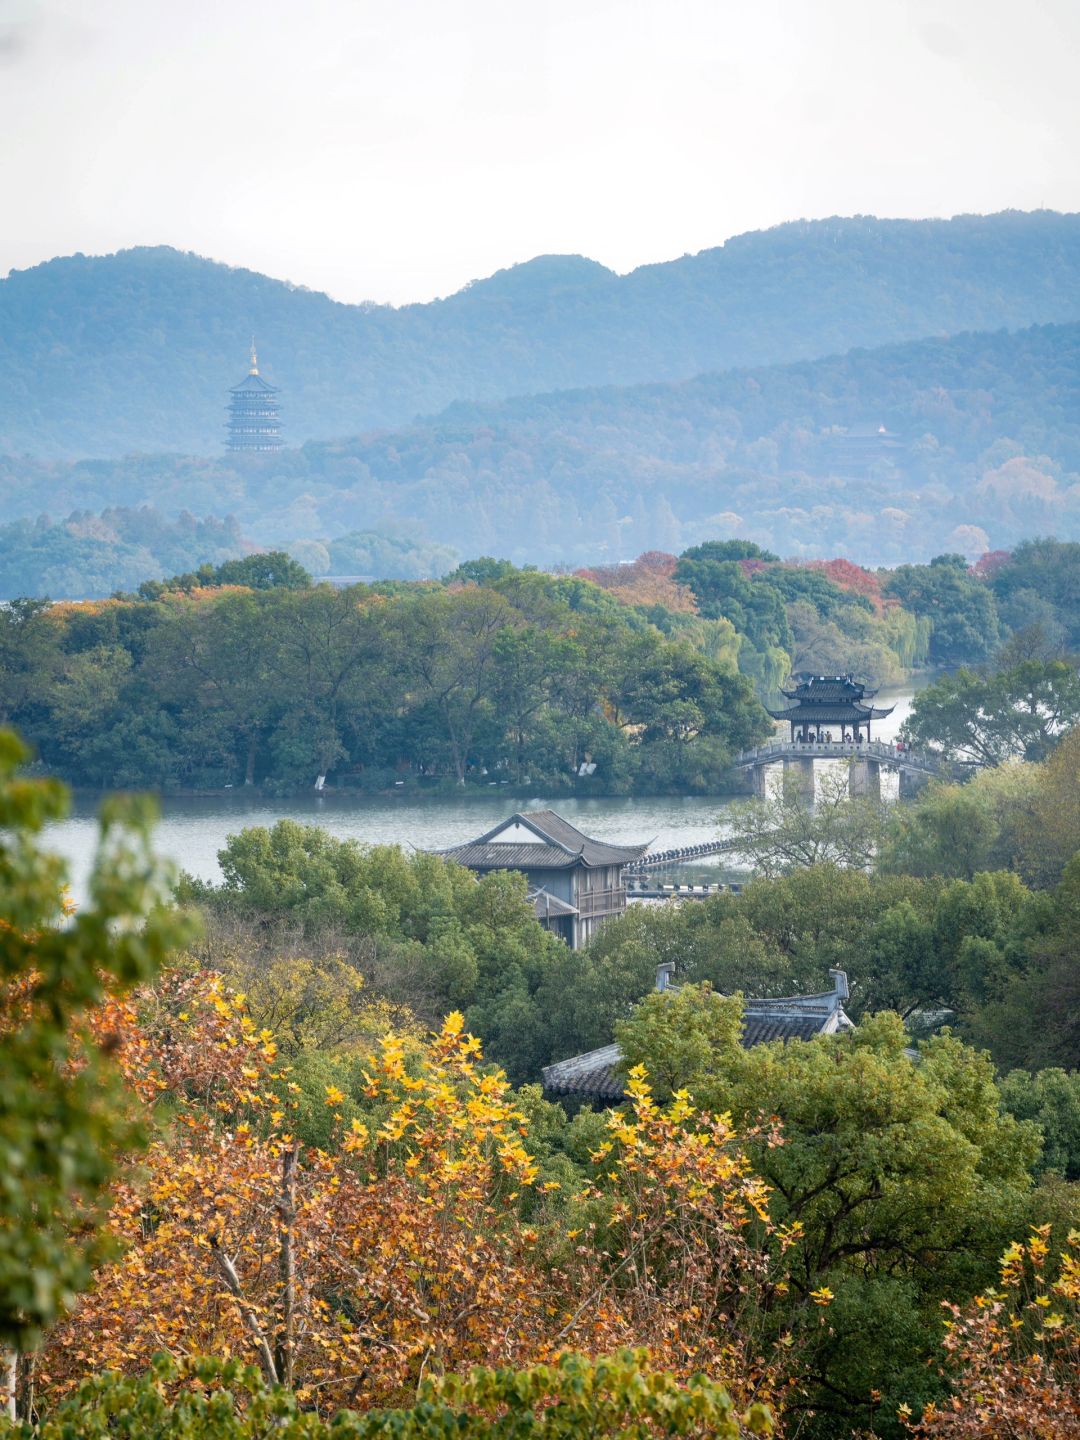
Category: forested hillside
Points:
column 88, row 555
column 983, row 448
column 651, row 674
column 135, row 351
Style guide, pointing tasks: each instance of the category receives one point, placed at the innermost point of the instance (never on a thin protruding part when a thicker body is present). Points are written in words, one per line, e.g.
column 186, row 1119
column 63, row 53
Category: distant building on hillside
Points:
column 852, row 452
column 575, row 883
column 254, row 423
column 599, row 1076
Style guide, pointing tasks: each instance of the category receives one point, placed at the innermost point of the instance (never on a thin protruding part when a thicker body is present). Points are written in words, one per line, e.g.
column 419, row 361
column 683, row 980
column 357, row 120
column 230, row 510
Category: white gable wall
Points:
column 514, row 833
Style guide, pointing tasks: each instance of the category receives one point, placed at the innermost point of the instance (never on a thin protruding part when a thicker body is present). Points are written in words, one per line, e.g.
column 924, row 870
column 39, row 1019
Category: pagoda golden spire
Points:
column 254, row 358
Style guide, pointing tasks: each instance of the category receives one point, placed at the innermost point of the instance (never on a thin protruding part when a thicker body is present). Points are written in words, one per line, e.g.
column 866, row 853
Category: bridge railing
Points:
column 655, row 859
column 848, row 749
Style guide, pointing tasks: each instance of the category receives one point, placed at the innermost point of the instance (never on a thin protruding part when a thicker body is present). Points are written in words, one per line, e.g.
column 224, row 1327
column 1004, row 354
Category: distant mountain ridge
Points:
column 982, row 449
column 135, row 351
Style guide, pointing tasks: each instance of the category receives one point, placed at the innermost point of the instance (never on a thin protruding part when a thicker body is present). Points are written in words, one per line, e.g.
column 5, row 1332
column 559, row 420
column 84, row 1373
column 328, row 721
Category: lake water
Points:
column 194, row 828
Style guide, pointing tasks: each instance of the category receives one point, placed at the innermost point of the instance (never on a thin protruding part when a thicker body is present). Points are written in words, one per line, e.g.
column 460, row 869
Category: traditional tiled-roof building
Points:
column 822, row 702
column 575, row 882
column 598, row 1074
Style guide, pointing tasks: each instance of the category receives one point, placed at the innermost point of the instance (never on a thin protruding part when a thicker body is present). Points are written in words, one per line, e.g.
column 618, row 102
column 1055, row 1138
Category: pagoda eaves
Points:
column 830, row 700
column 254, row 423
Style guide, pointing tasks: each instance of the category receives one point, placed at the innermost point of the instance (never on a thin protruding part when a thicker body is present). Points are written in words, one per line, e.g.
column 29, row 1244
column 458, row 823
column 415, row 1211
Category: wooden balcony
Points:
column 591, row 903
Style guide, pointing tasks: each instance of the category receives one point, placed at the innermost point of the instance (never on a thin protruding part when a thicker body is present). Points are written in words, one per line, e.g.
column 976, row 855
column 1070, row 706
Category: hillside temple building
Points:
column 575, row 883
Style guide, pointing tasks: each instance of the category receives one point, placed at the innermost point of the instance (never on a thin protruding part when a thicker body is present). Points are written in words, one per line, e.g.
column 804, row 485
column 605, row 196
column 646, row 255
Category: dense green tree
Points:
column 619, row 1397
column 455, row 941
column 216, row 661
column 1039, row 585
column 453, row 655
column 331, row 659
column 957, row 830
column 852, row 644
column 905, row 1178
column 1049, row 1099
column 987, row 718
column 1031, row 1015
column 799, row 584
column 485, row 570
column 528, row 660
column 64, row 1123
column 29, row 646
column 1048, row 827
column 724, row 590
column 531, row 674
column 990, row 956
column 265, row 570
column 959, row 606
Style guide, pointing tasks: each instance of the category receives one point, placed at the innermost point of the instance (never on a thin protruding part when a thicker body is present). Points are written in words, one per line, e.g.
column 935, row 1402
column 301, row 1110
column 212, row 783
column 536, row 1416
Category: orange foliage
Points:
column 66, row 609
column 402, row 1251
column 645, row 581
column 849, row 576
column 202, row 594
column 1014, row 1354
column 687, row 1283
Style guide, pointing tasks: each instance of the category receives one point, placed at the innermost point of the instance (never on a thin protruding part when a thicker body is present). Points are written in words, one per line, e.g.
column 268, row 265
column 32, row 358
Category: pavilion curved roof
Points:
column 557, row 845
column 832, row 714
column 829, row 689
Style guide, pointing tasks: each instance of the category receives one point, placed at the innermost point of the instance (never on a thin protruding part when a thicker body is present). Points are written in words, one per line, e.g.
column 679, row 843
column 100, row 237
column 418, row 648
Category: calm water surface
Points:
column 194, row 829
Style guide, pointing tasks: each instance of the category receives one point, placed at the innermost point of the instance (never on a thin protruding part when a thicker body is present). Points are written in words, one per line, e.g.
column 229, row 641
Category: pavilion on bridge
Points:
column 828, row 703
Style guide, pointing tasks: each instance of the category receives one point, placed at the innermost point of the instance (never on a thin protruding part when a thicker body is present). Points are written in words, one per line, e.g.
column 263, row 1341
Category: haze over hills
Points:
column 982, row 449
column 135, row 351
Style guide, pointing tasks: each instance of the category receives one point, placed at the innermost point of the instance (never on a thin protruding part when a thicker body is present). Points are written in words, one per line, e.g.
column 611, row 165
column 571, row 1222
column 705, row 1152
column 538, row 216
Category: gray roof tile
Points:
column 566, row 847
column 597, row 1074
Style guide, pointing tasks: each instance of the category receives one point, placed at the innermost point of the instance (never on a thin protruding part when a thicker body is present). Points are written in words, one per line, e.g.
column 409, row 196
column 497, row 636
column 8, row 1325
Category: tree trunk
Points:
column 286, row 1205
column 227, row 1270
column 249, row 771
column 11, row 1383
column 460, row 758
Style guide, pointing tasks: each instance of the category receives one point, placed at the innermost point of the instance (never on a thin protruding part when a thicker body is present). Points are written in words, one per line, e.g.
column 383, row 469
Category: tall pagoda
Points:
column 253, row 412
column 823, row 703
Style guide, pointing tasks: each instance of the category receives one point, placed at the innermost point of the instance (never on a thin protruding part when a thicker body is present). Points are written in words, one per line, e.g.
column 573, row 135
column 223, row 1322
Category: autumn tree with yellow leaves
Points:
column 1013, row 1354
column 350, row 1274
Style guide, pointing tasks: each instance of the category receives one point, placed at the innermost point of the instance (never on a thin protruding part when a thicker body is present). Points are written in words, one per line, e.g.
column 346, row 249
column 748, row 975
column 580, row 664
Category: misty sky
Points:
column 395, row 150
